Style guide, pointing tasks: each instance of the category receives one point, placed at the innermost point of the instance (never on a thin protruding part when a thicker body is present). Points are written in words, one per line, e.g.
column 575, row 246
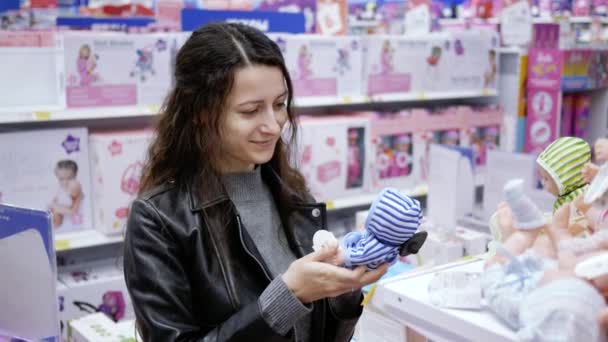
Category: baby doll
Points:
column 69, row 194
column 561, row 165
column 450, row 138
column 85, row 65
column 523, row 288
column 354, row 159
column 601, row 156
column 401, row 162
column 390, row 231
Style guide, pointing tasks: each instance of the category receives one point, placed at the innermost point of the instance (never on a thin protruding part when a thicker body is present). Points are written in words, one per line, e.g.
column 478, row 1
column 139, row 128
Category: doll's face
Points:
column 548, row 183
column 402, row 147
column 85, row 52
column 64, row 176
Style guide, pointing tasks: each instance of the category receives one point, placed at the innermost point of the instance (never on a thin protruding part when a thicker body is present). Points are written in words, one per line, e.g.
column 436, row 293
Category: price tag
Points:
column 42, row 116
column 153, row 109
column 61, row 245
column 347, row 99
column 421, row 96
column 330, row 205
column 368, row 296
column 485, row 92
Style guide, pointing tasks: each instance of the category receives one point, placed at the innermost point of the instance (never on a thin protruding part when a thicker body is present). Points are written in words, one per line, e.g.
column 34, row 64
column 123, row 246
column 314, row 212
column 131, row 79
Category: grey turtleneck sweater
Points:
column 279, row 306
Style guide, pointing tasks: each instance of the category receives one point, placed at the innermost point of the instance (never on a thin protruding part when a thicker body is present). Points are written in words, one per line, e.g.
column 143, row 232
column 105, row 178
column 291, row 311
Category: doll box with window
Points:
column 445, row 126
column 116, row 160
column 338, row 154
column 393, row 140
column 48, row 170
column 117, row 69
column 483, row 133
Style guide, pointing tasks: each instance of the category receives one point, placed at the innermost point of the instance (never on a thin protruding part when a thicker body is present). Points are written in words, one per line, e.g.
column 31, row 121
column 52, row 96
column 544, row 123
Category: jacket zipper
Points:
column 238, row 221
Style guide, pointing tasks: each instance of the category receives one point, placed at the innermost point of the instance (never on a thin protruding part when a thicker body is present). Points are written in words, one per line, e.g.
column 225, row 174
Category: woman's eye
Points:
column 281, row 104
column 251, row 111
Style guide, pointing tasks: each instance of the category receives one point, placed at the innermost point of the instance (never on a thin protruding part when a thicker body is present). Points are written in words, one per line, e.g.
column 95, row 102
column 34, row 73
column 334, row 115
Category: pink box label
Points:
column 316, row 87
column 388, row 83
column 328, row 171
column 27, row 39
column 98, row 96
column 544, row 89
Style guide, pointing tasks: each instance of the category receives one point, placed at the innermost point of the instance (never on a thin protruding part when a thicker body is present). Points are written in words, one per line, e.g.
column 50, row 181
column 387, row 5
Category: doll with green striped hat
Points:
column 561, row 165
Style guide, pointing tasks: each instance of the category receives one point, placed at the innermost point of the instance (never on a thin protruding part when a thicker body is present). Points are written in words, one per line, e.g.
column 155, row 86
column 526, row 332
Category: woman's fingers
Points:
column 373, row 276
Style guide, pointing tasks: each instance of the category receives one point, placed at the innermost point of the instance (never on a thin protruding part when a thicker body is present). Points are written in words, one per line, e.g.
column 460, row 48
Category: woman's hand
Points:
column 310, row 278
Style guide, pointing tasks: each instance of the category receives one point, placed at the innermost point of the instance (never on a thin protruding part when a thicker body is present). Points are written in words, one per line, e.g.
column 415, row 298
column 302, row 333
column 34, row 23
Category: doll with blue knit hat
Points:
column 390, row 230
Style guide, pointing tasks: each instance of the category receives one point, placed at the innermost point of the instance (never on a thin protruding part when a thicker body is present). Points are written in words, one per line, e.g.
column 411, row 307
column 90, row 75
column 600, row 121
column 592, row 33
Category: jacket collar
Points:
column 216, row 193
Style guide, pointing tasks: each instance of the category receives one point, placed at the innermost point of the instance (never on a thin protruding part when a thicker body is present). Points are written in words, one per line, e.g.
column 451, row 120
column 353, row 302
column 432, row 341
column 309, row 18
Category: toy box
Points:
column 116, row 69
column 91, row 288
column 393, row 139
column 99, row 328
column 444, row 126
column 338, row 156
column 116, row 160
column 36, row 85
column 399, row 64
column 322, row 66
column 48, row 170
column 484, row 126
column 475, row 55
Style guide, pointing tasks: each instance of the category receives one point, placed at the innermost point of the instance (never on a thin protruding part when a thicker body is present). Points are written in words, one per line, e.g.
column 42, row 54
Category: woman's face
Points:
column 255, row 114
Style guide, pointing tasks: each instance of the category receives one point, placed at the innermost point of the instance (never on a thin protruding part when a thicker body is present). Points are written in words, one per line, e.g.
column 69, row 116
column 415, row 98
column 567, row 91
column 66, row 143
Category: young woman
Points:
column 218, row 244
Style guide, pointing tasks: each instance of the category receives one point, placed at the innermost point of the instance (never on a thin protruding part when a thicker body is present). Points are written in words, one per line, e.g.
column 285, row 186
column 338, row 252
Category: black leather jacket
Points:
column 191, row 279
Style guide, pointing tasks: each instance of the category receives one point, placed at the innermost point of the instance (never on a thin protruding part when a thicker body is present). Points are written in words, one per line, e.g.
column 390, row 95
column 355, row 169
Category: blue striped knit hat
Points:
column 393, row 217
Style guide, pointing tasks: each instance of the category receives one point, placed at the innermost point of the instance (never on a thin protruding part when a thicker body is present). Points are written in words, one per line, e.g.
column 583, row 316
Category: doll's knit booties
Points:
column 526, row 215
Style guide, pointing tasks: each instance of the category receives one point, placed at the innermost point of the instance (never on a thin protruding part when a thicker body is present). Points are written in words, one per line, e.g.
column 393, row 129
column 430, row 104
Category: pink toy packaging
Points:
column 116, row 161
column 116, row 69
column 337, row 155
column 90, row 288
column 393, row 138
column 483, row 133
column 322, row 66
column 582, row 107
column 445, row 126
column 48, row 170
column 567, row 115
column 42, row 54
column 475, row 55
column 384, row 71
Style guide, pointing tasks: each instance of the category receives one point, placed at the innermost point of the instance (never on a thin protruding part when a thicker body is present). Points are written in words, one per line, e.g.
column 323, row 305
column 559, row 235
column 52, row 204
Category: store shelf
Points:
column 536, row 20
column 302, row 103
column 84, row 239
column 514, row 50
column 367, row 199
column 78, row 114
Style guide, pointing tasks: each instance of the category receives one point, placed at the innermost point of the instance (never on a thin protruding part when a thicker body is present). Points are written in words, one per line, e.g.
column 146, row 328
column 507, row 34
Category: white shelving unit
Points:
column 97, row 113
column 84, row 239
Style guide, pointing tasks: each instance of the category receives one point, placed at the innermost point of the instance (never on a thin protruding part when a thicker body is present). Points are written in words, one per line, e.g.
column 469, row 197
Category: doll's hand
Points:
column 311, row 277
column 589, row 172
column 505, row 220
column 601, row 150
